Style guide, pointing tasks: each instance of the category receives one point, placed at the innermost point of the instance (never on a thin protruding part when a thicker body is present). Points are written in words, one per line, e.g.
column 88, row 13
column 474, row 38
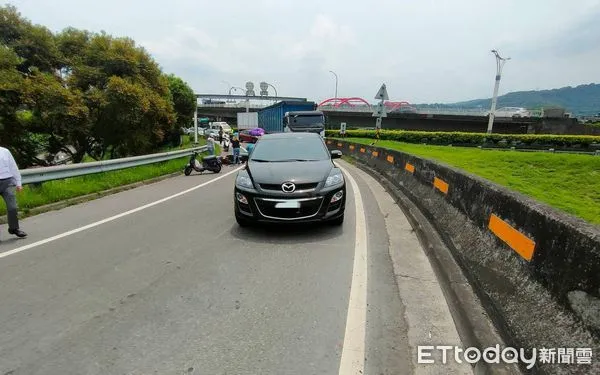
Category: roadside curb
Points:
column 473, row 324
column 88, row 197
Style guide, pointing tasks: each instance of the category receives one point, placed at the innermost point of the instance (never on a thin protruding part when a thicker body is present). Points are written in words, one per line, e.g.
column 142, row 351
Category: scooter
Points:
column 226, row 144
column 209, row 163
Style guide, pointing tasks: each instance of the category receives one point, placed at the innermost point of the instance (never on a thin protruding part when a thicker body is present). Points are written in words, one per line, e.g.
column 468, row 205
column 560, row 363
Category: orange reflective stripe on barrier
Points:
column 375, row 153
column 440, row 185
column 340, row 145
column 329, row 142
column 351, row 147
column 362, row 150
column 390, row 158
column 520, row 243
column 409, row 167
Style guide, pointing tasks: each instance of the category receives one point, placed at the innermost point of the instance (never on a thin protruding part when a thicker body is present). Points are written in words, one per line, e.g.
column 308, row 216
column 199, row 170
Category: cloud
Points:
column 425, row 51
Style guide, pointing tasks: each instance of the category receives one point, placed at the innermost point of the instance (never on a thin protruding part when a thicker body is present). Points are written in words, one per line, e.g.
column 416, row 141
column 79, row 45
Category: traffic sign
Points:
column 378, row 123
column 382, row 93
column 380, row 110
column 343, row 128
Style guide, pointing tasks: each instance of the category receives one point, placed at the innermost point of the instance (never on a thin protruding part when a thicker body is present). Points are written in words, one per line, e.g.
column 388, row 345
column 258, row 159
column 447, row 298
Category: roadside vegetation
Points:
column 565, row 181
column 60, row 190
column 536, row 141
column 83, row 94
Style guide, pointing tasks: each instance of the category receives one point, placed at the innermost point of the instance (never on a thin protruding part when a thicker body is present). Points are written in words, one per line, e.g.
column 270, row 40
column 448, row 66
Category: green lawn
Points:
column 566, row 181
column 58, row 190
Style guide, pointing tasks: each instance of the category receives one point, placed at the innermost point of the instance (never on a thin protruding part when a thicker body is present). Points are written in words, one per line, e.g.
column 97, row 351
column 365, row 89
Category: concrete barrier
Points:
column 536, row 270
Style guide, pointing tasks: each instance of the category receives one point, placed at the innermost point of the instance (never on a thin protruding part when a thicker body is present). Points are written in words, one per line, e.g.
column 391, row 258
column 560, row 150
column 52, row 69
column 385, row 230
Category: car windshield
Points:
column 296, row 149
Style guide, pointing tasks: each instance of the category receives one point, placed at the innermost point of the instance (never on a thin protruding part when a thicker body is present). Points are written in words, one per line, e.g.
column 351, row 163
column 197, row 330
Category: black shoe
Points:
column 17, row 232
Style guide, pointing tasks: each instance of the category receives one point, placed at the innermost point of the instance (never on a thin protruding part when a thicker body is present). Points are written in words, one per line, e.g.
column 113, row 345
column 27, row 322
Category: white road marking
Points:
column 353, row 351
column 115, row 217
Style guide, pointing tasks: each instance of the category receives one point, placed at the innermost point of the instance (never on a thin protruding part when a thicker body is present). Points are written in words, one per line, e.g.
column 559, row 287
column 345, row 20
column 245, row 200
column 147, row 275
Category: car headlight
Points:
column 244, row 181
column 335, row 178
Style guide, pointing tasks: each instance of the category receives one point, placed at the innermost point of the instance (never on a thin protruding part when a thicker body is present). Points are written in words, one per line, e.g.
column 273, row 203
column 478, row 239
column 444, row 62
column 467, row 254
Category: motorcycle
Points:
column 209, row 163
column 226, row 144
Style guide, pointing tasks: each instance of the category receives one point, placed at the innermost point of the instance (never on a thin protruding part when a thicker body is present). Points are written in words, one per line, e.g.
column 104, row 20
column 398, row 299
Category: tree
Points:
column 81, row 93
column 184, row 100
column 59, row 112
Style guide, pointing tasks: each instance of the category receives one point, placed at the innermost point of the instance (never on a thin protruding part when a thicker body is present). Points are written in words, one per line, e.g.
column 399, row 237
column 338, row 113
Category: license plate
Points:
column 288, row 204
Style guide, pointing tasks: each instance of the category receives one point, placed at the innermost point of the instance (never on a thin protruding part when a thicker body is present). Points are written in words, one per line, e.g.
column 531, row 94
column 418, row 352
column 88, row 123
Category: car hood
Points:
column 296, row 171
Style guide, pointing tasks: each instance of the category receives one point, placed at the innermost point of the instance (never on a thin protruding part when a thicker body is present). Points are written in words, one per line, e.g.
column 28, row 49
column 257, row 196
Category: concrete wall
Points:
column 536, row 269
column 475, row 124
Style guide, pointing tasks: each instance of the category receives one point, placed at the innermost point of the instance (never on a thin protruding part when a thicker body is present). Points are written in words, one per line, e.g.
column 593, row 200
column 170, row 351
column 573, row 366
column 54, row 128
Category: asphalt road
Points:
column 161, row 280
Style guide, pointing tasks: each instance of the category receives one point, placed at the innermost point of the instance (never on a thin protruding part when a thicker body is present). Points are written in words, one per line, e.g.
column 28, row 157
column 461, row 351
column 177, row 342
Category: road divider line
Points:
column 353, row 351
column 112, row 218
column 517, row 241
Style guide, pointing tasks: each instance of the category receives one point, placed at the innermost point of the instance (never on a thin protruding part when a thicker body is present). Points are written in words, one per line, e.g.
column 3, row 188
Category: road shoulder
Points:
column 426, row 312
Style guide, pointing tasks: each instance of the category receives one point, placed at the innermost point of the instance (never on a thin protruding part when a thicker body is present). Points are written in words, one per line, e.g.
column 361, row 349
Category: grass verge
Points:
column 61, row 190
column 565, row 181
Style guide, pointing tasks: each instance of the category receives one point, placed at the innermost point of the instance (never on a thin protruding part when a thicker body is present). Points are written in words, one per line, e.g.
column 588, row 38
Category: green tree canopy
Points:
column 82, row 93
column 184, row 100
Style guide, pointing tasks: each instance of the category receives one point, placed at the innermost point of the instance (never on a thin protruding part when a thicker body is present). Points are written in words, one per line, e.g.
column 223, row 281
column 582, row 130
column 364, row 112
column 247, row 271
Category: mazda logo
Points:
column 288, row 187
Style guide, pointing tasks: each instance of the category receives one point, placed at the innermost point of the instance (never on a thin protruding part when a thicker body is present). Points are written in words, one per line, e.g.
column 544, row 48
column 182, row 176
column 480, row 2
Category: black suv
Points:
column 290, row 177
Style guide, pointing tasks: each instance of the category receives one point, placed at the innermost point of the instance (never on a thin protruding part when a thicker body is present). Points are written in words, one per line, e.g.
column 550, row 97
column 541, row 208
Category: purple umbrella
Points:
column 257, row 132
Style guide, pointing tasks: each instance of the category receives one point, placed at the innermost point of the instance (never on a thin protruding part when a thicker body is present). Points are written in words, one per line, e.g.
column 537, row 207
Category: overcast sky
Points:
column 424, row 50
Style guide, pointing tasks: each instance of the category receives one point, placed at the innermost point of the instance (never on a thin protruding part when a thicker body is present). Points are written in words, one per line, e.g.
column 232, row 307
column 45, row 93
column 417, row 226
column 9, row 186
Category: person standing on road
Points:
column 210, row 142
column 235, row 145
column 249, row 148
column 10, row 180
column 221, row 136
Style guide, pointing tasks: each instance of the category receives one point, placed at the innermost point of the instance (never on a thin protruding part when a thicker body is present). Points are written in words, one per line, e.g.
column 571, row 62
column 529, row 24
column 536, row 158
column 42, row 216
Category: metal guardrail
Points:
column 43, row 174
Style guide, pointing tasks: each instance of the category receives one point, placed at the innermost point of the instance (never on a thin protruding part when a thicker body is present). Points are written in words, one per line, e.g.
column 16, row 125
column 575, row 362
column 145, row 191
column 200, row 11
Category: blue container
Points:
column 271, row 118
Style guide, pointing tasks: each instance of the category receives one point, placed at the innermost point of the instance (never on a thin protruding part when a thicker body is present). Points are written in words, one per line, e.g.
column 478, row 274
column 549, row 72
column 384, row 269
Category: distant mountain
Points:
column 583, row 100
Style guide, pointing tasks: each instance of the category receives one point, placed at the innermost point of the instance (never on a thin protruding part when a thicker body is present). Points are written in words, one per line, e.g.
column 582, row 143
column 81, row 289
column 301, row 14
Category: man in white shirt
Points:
column 210, row 142
column 10, row 180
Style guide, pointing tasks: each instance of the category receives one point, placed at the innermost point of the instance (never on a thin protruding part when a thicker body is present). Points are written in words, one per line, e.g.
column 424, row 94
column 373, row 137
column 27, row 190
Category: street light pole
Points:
column 336, row 84
column 196, row 123
column 500, row 61
column 273, row 88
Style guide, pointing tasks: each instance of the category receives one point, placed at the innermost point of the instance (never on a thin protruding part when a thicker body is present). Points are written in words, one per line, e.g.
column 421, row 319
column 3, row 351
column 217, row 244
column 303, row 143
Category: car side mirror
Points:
column 336, row 154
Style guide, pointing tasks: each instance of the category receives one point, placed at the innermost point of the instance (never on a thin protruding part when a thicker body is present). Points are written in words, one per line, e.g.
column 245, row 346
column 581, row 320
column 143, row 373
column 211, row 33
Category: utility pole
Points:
column 196, row 123
column 500, row 61
column 336, row 84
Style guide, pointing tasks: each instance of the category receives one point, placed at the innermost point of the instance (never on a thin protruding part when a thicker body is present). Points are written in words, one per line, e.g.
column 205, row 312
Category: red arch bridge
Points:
column 360, row 102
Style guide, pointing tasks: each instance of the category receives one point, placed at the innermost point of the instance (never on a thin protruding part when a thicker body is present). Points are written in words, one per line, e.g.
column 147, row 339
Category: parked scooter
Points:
column 226, row 143
column 209, row 163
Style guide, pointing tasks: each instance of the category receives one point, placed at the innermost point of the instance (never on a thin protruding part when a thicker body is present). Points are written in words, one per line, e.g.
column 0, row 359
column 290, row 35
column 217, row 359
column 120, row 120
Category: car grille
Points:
column 309, row 207
column 277, row 187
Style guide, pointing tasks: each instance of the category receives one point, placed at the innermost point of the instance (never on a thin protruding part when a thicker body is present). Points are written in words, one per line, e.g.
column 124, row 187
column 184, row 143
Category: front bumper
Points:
column 313, row 207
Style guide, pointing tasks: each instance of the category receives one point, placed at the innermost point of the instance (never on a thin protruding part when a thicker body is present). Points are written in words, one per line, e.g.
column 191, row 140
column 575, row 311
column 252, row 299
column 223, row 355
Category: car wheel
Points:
column 337, row 221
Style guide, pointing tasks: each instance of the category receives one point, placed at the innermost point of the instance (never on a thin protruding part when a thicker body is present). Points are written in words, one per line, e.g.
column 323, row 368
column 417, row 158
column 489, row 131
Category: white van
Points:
column 221, row 125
